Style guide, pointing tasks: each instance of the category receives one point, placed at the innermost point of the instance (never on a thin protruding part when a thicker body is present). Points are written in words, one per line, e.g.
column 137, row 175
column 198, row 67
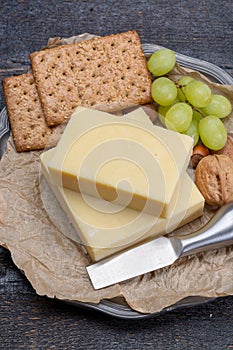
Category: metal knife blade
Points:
column 163, row 251
column 141, row 259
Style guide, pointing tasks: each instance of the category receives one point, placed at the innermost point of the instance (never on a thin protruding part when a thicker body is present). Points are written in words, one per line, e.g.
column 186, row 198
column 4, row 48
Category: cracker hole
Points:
column 130, row 41
column 117, row 61
column 43, row 135
column 128, row 67
column 133, row 84
column 35, row 100
column 46, row 77
column 25, row 92
column 87, row 85
column 99, row 65
column 55, row 110
column 88, row 59
column 72, row 67
column 81, row 69
column 32, row 127
column 38, row 117
column 52, row 67
column 112, row 44
column 57, row 84
column 122, row 78
column 94, row 48
column 109, row 100
column 97, row 93
column 29, row 109
column 61, row 101
column 77, row 52
column 64, row 73
column 42, row 59
column 69, row 89
column 92, row 103
column 123, row 51
column 51, row 94
column 73, row 107
column 93, row 75
column 31, row 82
column 58, row 56
column 144, row 90
column 15, row 86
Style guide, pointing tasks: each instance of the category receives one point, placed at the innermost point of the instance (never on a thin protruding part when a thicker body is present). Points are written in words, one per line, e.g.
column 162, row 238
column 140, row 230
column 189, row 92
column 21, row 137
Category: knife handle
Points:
column 217, row 233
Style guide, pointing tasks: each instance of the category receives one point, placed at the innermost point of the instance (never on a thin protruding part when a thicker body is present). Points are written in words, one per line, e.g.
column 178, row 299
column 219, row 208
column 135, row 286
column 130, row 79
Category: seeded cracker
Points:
column 107, row 73
column 29, row 129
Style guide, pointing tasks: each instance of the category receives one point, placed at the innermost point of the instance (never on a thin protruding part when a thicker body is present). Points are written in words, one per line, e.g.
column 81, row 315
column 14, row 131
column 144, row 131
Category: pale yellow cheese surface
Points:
column 121, row 160
column 105, row 228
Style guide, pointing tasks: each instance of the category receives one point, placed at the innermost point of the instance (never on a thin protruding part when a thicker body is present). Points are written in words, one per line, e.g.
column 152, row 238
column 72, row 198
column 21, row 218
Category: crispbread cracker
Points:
column 108, row 73
column 28, row 125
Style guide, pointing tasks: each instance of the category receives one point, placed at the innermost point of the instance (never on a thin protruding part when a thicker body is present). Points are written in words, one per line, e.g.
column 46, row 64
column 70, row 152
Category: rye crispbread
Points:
column 28, row 125
column 108, row 73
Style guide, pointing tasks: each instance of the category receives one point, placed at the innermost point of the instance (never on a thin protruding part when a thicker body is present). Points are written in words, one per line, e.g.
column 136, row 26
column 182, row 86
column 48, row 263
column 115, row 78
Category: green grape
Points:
column 193, row 131
column 179, row 117
column 162, row 110
column 213, row 133
column 198, row 93
column 197, row 116
column 183, row 81
column 181, row 94
column 161, row 62
column 164, row 91
column 219, row 106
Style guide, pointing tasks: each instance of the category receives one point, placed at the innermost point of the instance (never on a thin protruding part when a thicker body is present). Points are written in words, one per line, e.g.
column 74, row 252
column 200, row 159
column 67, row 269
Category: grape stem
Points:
column 197, row 110
column 185, row 101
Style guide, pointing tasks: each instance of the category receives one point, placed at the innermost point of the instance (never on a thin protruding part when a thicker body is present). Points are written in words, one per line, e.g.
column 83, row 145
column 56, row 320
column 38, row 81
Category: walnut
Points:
column 214, row 178
column 227, row 149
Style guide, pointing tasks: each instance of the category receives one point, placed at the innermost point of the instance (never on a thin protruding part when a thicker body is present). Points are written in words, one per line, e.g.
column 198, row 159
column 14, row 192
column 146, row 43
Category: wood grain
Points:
column 200, row 29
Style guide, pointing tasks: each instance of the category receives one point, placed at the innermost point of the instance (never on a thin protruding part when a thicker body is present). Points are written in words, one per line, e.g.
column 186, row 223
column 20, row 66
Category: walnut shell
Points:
column 214, row 178
column 227, row 149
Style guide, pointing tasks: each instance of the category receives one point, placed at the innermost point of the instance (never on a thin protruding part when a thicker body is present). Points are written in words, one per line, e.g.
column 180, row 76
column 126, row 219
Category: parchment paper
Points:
column 55, row 264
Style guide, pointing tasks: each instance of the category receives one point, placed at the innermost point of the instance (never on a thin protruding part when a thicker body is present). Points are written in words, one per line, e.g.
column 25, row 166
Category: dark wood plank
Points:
column 199, row 29
column 32, row 322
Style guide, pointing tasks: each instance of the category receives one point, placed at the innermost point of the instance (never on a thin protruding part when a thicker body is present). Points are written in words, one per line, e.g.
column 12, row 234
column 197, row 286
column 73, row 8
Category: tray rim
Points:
column 110, row 307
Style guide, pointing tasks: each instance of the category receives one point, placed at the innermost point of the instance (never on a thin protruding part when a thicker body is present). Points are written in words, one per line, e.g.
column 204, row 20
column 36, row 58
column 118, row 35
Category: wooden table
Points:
column 199, row 29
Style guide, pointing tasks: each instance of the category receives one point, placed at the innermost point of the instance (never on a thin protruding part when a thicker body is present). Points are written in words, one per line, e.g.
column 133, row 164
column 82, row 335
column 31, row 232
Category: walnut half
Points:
column 214, row 178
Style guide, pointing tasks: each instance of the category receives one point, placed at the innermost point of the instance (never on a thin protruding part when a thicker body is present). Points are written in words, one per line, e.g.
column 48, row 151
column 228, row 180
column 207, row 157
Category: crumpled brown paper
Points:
column 55, row 264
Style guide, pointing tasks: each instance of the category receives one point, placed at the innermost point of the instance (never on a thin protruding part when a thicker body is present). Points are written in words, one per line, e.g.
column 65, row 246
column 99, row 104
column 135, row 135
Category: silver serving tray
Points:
column 117, row 307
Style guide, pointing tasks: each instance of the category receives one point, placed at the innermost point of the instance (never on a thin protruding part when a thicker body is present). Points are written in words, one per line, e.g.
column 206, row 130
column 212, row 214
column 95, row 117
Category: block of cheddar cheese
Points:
column 105, row 228
column 121, row 160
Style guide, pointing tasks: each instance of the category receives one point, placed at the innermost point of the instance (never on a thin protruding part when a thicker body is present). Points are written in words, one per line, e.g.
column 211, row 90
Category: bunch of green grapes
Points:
column 188, row 105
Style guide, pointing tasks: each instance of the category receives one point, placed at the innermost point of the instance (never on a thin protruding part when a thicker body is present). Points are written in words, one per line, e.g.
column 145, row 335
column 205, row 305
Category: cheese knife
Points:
column 163, row 251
